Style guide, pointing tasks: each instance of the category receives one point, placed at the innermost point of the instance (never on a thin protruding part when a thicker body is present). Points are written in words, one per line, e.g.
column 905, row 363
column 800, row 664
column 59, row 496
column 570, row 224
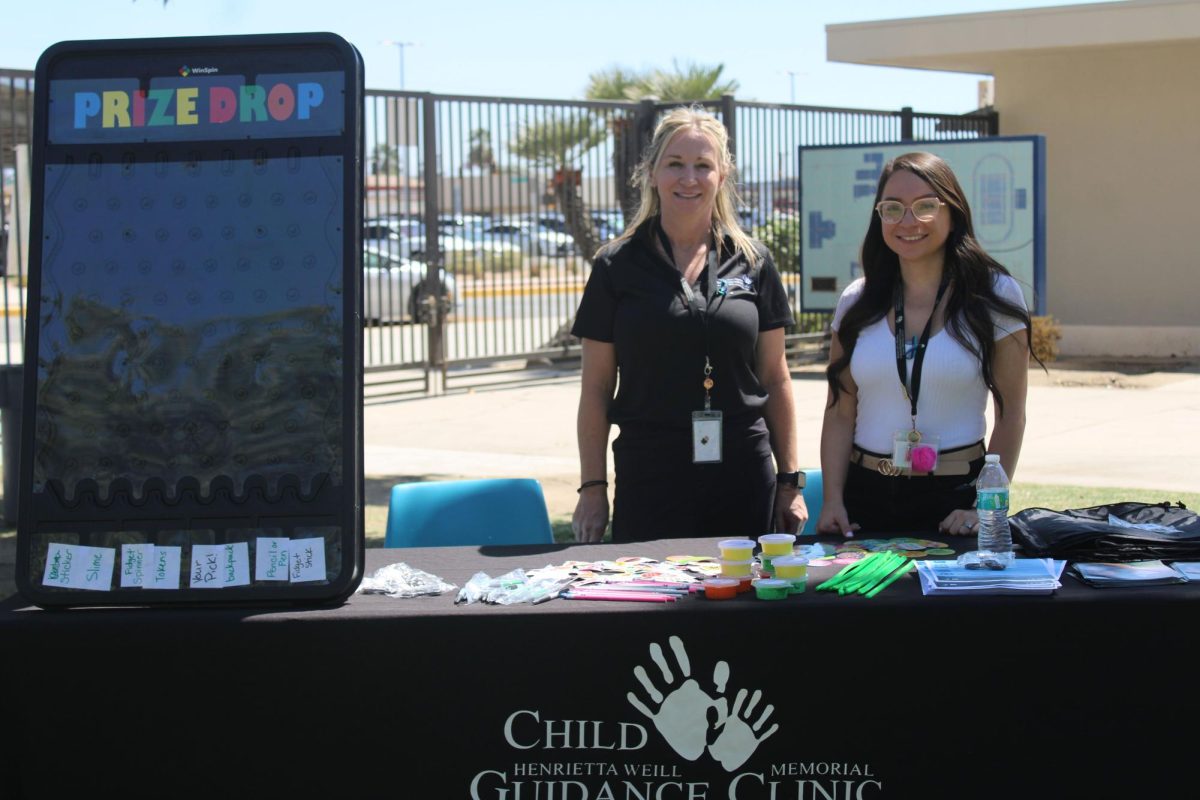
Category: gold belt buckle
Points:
column 886, row 467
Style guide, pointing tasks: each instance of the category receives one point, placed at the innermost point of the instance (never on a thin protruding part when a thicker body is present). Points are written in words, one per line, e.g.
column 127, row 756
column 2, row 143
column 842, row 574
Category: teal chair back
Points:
column 814, row 494
column 481, row 512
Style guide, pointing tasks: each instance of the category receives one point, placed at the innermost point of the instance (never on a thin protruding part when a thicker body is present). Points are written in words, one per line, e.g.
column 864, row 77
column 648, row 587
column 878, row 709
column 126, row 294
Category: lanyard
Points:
column 919, row 355
column 693, row 309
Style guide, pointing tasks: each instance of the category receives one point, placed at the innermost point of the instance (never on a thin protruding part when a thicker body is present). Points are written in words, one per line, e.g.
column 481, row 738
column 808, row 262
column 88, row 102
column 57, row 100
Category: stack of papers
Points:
column 1190, row 569
column 1130, row 573
column 1023, row 576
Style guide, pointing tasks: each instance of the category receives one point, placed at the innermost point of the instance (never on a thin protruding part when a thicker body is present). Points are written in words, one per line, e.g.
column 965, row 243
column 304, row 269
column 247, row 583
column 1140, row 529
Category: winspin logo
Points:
column 700, row 717
column 185, row 71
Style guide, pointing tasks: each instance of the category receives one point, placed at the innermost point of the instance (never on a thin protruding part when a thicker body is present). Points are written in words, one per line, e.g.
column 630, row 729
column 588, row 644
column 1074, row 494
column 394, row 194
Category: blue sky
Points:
column 542, row 48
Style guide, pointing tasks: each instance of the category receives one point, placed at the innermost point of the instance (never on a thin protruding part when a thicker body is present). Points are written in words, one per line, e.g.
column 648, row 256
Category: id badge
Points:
column 920, row 456
column 706, row 437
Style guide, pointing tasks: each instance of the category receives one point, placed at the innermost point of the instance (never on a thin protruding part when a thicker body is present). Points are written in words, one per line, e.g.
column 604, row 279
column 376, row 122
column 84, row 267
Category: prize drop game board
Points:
column 193, row 362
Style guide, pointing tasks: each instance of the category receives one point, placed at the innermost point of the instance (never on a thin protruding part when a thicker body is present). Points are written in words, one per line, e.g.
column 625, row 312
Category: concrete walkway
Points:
column 1084, row 429
column 1145, row 436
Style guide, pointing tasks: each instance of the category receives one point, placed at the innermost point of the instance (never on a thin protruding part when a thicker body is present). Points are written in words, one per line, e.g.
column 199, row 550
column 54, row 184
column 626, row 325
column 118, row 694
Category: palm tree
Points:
column 385, row 160
column 480, row 153
column 561, row 143
column 690, row 83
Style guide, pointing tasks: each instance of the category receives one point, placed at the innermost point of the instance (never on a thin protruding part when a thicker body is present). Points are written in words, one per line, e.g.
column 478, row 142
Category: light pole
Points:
column 401, row 46
column 791, row 73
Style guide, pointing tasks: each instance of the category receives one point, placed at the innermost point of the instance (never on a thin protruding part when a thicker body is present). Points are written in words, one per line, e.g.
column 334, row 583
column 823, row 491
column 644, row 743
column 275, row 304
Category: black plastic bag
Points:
column 1104, row 533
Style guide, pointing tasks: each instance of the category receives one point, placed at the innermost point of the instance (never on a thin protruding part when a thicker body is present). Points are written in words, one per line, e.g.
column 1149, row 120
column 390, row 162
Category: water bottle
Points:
column 991, row 501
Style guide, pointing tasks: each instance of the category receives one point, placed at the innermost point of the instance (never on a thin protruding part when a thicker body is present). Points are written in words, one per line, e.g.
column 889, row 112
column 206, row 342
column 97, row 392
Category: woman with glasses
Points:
column 689, row 311
column 932, row 328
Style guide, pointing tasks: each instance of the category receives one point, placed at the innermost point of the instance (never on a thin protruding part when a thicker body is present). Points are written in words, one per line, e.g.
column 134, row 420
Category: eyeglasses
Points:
column 924, row 210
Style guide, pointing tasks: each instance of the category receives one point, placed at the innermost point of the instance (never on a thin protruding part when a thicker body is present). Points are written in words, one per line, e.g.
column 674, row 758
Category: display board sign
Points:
column 193, row 356
column 1004, row 180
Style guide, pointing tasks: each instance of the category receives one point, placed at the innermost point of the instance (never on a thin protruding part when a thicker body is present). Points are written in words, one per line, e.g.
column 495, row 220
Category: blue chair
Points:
column 480, row 512
column 814, row 494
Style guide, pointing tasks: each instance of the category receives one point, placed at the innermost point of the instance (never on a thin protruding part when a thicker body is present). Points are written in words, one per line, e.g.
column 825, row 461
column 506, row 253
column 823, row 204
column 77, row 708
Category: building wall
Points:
column 1122, row 128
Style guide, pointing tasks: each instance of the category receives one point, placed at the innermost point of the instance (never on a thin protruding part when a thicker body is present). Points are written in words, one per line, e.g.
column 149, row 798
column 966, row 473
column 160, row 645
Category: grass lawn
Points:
column 1024, row 495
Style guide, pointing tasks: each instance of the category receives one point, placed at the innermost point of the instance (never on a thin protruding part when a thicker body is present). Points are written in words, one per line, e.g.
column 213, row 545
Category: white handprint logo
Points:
column 691, row 720
column 738, row 739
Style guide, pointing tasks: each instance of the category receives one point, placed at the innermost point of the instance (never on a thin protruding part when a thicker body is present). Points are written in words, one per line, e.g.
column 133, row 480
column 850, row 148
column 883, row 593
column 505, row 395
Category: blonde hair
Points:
column 725, row 219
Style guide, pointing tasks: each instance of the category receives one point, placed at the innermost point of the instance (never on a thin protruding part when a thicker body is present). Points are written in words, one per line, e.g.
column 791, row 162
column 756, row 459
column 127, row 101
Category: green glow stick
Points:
column 882, row 566
column 846, row 572
column 903, row 570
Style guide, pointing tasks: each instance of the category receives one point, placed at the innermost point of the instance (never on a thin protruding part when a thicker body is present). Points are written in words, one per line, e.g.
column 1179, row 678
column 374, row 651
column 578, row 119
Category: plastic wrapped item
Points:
column 474, row 590
column 814, row 550
column 483, row 587
column 401, row 580
column 515, row 587
column 505, row 584
column 541, row 586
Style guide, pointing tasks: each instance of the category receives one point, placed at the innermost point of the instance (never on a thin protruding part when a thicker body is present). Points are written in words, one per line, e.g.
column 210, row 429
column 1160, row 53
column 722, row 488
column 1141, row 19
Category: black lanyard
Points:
column 919, row 355
column 689, row 295
column 693, row 308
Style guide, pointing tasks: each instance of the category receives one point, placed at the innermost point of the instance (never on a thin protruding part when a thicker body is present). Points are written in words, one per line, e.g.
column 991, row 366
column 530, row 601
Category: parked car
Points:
column 610, row 223
column 527, row 237
column 406, row 239
column 393, row 287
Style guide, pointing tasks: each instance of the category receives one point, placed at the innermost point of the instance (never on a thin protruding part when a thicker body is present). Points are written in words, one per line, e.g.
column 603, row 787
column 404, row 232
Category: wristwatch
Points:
column 795, row 479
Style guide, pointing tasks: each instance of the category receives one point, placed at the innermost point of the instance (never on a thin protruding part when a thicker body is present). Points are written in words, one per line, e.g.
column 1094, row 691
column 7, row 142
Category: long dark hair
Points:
column 970, row 270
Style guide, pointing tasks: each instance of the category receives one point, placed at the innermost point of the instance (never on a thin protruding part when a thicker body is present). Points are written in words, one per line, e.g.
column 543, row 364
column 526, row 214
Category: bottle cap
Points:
column 992, row 458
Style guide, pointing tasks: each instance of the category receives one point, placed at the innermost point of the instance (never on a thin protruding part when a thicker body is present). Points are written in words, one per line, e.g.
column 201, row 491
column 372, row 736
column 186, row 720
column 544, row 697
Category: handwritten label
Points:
column 235, row 568
column 73, row 566
column 307, row 560
column 271, row 562
column 205, row 570
column 135, row 561
column 164, row 568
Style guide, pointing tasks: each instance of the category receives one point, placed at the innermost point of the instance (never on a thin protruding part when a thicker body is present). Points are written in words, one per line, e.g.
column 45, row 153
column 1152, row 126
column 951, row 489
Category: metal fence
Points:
column 482, row 214
column 16, row 127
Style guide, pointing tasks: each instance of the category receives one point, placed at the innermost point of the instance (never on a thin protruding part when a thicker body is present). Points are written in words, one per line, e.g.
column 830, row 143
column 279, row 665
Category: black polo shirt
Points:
column 634, row 299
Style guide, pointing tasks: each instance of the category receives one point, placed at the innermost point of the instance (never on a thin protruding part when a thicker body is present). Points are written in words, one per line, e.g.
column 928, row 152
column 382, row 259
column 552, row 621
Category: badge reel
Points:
column 706, row 426
column 914, row 451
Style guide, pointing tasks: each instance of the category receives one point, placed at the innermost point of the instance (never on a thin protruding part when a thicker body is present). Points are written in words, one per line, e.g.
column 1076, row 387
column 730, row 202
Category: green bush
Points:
column 476, row 264
column 781, row 235
column 1046, row 333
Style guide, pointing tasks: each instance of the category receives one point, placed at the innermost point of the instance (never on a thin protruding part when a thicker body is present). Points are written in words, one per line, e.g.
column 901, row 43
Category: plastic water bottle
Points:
column 991, row 501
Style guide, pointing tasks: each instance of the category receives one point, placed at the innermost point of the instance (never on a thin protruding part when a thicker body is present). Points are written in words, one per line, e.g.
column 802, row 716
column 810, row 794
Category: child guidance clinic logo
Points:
column 699, row 717
column 694, row 721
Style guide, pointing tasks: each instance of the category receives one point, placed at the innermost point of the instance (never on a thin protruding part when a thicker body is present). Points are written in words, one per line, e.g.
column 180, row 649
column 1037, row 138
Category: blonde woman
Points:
column 682, row 326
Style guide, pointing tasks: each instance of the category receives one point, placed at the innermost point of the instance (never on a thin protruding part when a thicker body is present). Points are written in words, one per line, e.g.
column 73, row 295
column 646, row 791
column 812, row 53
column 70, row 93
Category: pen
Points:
column 632, row 597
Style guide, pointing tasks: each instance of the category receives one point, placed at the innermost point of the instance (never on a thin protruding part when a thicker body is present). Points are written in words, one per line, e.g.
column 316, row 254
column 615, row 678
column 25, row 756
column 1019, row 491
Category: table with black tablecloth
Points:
column 1076, row 694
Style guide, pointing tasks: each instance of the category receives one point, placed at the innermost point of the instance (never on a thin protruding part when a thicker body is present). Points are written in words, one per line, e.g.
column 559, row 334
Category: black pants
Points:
column 661, row 494
column 882, row 504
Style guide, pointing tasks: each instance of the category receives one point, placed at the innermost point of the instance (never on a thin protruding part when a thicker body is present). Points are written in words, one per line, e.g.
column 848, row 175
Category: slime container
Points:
column 720, row 588
column 777, row 544
column 736, row 549
column 735, row 569
column 772, row 588
column 793, row 569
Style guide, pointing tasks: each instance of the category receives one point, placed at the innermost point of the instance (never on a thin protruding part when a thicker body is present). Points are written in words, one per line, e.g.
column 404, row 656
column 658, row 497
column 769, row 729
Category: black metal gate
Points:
column 482, row 214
